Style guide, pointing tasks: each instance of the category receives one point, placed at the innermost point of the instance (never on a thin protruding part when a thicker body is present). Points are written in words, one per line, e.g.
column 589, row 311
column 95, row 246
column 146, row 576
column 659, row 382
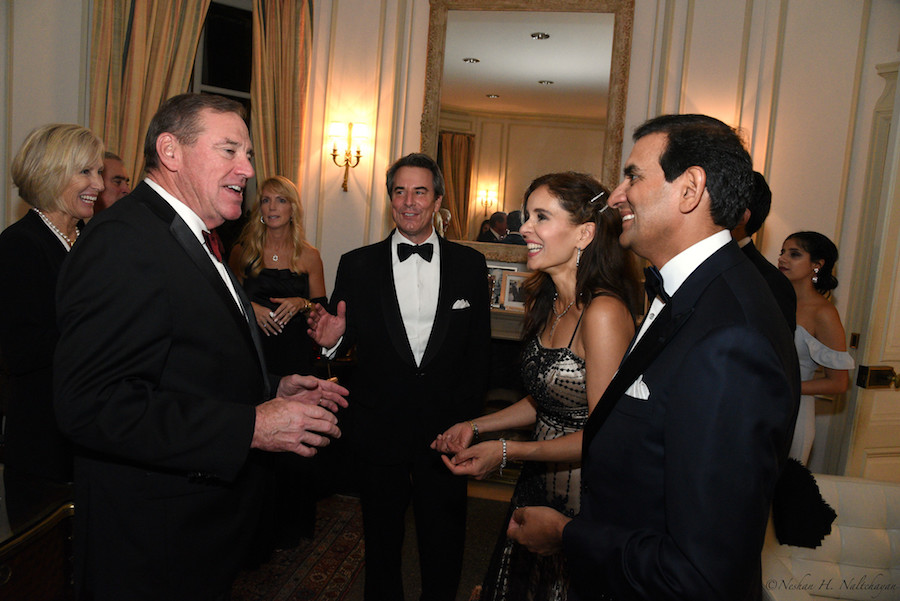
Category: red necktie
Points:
column 214, row 243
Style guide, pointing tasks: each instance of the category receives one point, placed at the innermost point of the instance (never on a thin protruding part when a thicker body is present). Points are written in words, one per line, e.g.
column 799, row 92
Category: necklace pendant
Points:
column 275, row 258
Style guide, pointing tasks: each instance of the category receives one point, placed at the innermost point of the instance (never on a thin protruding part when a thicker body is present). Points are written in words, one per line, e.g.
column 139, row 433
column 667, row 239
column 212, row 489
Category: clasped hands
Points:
column 301, row 418
column 272, row 321
column 539, row 529
column 464, row 460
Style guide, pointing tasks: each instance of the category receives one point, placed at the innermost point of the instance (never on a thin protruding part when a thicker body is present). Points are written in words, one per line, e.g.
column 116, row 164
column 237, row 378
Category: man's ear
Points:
column 693, row 188
column 168, row 149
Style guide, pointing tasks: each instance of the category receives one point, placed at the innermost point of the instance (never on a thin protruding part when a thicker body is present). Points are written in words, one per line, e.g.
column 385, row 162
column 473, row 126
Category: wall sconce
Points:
column 487, row 198
column 344, row 136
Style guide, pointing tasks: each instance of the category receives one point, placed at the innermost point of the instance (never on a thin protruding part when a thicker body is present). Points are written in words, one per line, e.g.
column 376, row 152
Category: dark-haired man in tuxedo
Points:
column 750, row 222
column 160, row 378
column 683, row 449
column 497, row 230
column 418, row 310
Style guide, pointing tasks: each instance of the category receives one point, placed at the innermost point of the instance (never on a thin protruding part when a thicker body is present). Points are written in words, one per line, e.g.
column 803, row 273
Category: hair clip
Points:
column 591, row 201
column 600, row 212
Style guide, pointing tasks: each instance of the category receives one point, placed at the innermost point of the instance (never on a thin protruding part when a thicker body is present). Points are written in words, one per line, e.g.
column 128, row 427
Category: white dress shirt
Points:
column 679, row 267
column 196, row 225
column 674, row 273
column 417, row 284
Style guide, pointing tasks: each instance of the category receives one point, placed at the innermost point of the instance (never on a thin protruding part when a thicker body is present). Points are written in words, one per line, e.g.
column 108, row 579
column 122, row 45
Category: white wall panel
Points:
column 46, row 52
column 714, row 60
column 812, row 119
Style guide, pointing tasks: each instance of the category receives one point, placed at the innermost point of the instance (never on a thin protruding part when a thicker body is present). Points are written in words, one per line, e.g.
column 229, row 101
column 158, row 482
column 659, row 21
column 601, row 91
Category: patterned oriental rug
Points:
column 322, row 569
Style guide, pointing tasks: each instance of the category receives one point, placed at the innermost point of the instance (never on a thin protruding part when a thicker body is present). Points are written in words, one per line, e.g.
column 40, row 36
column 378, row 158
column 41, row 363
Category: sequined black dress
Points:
column 555, row 378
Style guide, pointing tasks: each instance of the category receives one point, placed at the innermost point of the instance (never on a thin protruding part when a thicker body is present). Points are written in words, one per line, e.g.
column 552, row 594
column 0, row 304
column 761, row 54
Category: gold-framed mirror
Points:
column 622, row 12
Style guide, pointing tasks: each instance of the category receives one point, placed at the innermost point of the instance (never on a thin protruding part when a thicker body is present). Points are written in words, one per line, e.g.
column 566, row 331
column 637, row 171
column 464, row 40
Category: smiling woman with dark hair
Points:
column 579, row 305
column 808, row 260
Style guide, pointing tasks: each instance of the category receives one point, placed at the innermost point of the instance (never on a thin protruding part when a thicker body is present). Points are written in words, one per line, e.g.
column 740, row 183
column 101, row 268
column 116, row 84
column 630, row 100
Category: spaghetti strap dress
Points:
column 555, row 378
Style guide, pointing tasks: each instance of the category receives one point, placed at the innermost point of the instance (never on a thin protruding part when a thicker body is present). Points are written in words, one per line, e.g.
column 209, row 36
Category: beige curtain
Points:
column 281, row 52
column 141, row 54
column 455, row 160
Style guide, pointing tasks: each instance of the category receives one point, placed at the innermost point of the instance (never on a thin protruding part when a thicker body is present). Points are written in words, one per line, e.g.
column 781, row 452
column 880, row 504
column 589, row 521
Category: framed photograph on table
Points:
column 513, row 294
column 495, row 273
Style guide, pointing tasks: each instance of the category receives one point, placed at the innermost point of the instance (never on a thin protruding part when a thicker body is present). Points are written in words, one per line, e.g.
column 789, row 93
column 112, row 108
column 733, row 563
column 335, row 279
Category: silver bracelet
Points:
column 503, row 459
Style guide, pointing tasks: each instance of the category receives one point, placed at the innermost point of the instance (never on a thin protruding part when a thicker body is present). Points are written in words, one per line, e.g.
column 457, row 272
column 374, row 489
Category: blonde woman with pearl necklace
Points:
column 58, row 173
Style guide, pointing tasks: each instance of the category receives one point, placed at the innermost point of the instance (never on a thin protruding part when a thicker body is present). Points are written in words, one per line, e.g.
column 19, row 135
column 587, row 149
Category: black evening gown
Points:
column 290, row 509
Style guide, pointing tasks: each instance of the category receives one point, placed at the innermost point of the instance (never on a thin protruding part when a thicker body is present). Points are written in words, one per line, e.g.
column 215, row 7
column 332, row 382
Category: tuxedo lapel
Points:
column 248, row 312
column 674, row 315
column 198, row 255
column 654, row 340
column 442, row 312
column 390, row 306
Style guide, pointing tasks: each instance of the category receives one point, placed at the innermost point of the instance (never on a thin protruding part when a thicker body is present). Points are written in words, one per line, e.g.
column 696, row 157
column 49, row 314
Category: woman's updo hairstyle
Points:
column 820, row 248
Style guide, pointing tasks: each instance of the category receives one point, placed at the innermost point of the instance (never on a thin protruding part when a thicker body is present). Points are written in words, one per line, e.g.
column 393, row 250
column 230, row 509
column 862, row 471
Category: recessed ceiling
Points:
column 576, row 58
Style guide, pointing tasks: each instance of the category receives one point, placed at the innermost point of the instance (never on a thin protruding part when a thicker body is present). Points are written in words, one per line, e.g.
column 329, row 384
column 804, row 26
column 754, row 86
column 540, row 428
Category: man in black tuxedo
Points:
column 417, row 308
column 682, row 452
column 514, row 222
column 497, row 231
column 160, row 379
column 751, row 221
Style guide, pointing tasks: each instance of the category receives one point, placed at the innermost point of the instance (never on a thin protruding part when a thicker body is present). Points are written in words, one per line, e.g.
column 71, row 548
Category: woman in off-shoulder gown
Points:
column 580, row 304
column 808, row 259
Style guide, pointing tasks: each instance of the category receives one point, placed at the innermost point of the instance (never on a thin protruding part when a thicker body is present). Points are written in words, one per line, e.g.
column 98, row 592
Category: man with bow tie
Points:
column 417, row 308
column 681, row 454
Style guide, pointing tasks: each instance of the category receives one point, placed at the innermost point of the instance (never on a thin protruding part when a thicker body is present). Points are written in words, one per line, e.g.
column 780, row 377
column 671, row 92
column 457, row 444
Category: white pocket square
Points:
column 461, row 304
column 638, row 389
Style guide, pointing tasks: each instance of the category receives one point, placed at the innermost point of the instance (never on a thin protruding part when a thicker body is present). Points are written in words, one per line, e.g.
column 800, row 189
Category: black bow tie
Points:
column 653, row 284
column 405, row 251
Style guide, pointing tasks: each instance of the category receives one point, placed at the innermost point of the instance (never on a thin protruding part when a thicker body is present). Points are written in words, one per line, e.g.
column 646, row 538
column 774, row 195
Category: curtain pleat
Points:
column 281, row 54
column 456, row 158
column 141, row 54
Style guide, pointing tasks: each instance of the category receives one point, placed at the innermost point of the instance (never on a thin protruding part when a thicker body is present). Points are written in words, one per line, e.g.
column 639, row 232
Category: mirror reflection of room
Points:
column 522, row 93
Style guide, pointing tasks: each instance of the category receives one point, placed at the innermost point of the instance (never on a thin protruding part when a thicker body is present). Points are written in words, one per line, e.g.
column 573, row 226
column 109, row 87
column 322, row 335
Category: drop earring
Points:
column 261, row 220
column 578, row 257
column 815, row 278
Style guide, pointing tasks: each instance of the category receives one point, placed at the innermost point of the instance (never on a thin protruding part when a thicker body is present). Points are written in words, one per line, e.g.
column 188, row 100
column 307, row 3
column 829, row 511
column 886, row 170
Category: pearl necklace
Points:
column 558, row 315
column 56, row 229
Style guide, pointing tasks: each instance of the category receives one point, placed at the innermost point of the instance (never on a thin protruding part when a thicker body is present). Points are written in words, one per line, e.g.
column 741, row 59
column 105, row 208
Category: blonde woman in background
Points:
column 282, row 274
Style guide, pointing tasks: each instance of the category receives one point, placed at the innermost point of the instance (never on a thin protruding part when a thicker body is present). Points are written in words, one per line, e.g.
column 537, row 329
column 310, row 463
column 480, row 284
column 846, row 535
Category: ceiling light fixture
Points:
column 546, row 82
column 540, row 35
column 493, row 95
column 471, row 60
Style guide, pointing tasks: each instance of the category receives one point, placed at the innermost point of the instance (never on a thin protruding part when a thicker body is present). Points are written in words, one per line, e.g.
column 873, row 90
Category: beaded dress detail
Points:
column 555, row 378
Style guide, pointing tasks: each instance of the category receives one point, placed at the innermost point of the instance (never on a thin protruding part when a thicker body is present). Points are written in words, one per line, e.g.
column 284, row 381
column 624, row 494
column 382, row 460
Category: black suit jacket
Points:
column 781, row 287
column 157, row 376
column 677, row 488
column 397, row 407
